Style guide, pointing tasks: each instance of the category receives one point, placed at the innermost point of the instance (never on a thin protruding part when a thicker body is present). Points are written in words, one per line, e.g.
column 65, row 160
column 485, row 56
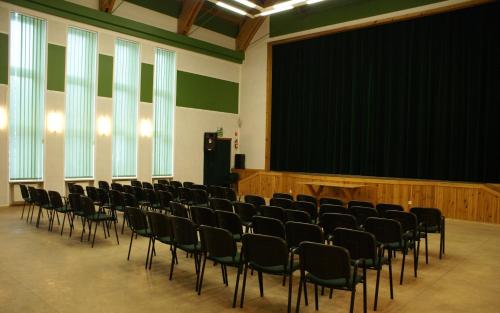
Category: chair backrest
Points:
column 245, row 210
column 117, row 186
column 218, row 204
column 268, row 226
column 200, row 196
column 203, row 216
column 308, row 207
column 149, row 196
column 24, row 192
column 362, row 213
column 229, row 221
column 298, row 216
column 130, row 200
column 360, row 244
column 299, row 232
column 173, row 191
column 165, row 198
column 265, row 250
column 116, row 198
column 138, row 192
column 75, row 202
column 77, row 189
column 332, row 221
column 137, row 219
column 178, row 209
column 325, row 261
column 231, row 194
column 185, row 194
column 160, row 224
column 273, row 212
column 136, row 183
column 408, row 220
column 158, row 187
column 187, row 184
column 332, row 201
column 219, row 192
column 257, row 201
column 184, row 231
column 202, row 187
column 283, row 195
column 128, row 189
column 384, row 229
column 365, row 204
column 281, row 202
column 218, row 242
column 33, row 194
column 103, row 195
column 103, row 184
column 382, row 207
column 175, row 183
column 43, row 197
column 87, row 206
column 163, row 182
column 307, row 198
column 55, row 199
column 146, row 185
column 92, row 193
column 428, row 216
column 332, row 208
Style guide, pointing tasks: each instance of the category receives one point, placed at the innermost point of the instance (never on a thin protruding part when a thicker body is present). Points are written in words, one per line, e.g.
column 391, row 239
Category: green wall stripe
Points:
column 334, row 12
column 4, row 58
column 56, row 58
column 206, row 93
column 105, row 76
column 122, row 25
column 146, row 82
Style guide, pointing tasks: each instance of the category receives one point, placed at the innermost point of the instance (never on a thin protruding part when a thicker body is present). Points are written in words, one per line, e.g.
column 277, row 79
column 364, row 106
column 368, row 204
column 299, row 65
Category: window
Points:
column 125, row 99
column 80, row 103
column 27, row 96
column 163, row 98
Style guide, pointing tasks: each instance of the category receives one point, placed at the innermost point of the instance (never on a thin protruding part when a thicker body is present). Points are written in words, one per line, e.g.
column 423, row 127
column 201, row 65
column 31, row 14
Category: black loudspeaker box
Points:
column 239, row 161
column 209, row 140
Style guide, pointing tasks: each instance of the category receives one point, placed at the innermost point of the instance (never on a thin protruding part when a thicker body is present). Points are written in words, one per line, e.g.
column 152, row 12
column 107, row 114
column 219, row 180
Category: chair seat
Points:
column 430, row 229
column 237, row 237
column 227, row 260
column 100, row 217
column 190, row 248
column 246, row 223
column 165, row 239
column 394, row 245
column 375, row 263
column 63, row 210
column 336, row 282
column 274, row 269
column 120, row 208
column 146, row 232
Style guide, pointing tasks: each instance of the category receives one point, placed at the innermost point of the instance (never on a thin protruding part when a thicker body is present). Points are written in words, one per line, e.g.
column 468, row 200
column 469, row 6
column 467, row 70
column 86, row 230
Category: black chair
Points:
column 146, row 185
column 187, row 184
column 307, row 198
column 202, row 187
column 76, row 210
column 281, row 202
column 77, row 189
column 117, row 200
column 26, row 197
column 185, row 239
column 128, row 189
column 161, row 230
column 175, row 183
column 430, row 221
column 327, row 266
column 389, row 236
column 362, row 247
column 246, row 211
column 283, row 195
column 332, row 201
column 365, row 204
column 231, row 222
column 139, row 225
column 231, row 194
column 92, row 216
column 200, row 197
column 298, row 216
column 273, row 212
column 43, row 202
column 383, row 207
column 59, row 207
column 332, row 221
column 203, row 216
column 411, row 235
column 332, row 208
column 308, row 207
column 219, row 246
column 269, row 255
column 103, row 184
column 219, row 192
column 164, row 198
column 299, row 232
column 117, row 187
column 92, row 194
column 268, row 226
column 179, row 209
column 218, row 204
column 33, row 194
column 212, row 191
column 159, row 187
column 185, row 195
column 150, row 201
column 257, row 201
column 163, row 182
column 136, row 183
column 362, row 213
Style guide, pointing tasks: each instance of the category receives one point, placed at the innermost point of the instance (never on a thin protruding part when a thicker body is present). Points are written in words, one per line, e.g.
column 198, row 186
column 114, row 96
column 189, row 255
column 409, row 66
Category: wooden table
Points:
column 347, row 189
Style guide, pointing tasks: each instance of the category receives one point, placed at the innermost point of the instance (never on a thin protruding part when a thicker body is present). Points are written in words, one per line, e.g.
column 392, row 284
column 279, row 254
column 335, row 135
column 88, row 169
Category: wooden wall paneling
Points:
column 466, row 205
column 422, row 195
column 446, row 200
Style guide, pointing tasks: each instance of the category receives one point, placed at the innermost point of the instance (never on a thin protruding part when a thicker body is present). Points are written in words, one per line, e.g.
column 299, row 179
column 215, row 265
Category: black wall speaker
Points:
column 209, row 140
column 239, row 161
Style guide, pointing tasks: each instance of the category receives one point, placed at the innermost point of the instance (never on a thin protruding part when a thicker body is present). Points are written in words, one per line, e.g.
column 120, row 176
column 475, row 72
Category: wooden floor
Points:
column 41, row 271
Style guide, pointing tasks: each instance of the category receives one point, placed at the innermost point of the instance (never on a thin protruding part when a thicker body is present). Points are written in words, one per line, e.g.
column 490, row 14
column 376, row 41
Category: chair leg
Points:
column 244, row 285
column 235, row 297
column 22, row 214
column 390, row 274
column 130, row 245
column 405, row 250
column 426, row 250
column 152, row 254
column 353, row 295
column 415, row 260
column 299, row 295
column 376, row 288
column 147, row 256
column 200, row 283
column 174, row 256
column 116, row 233
column 316, row 297
column 441, row 244
column 62, row 227
column 306, row 302
column 95, row 231
column 290, row 292
column 38, row 218
column 261, row 284
column 364, row 290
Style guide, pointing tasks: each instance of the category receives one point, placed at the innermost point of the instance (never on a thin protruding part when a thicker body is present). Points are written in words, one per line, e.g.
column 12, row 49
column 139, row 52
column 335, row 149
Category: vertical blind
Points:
column 80, row 103
column 164, row 95
column 125, row 99
column 26, row 101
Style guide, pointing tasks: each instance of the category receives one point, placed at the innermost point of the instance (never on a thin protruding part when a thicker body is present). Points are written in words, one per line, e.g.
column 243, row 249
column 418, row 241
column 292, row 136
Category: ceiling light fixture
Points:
column 313, row 1
column 231, row 8
column 276, row 10
column 287, row 3
column 247, row 3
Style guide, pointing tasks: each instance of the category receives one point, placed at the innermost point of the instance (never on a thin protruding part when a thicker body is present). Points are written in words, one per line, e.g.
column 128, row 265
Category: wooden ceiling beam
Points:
column 189, row 12
column 248, row 30
column 106, row 5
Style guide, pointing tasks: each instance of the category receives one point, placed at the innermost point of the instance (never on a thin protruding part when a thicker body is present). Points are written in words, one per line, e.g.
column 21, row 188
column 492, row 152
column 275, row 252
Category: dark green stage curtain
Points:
column 413, row 99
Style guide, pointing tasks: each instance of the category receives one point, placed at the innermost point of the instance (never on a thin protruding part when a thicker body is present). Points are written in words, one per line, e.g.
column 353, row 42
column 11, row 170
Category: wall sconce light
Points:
column 146, row 128
column 55, row 122
column 103, row 126
column 3, row 118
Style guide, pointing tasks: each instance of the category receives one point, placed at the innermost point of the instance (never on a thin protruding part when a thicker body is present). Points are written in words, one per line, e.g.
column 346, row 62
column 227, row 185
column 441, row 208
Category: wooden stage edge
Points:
column 461, row 200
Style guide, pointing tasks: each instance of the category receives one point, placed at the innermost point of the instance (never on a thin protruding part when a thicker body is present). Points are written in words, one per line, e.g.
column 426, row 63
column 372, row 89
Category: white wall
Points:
column 190, row 124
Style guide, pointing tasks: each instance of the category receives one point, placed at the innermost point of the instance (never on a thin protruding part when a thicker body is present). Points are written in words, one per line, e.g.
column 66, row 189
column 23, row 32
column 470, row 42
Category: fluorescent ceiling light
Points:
column 287, row 3
column 247, row 3
column 231, row 8
column 276, row 10
column 313, row 1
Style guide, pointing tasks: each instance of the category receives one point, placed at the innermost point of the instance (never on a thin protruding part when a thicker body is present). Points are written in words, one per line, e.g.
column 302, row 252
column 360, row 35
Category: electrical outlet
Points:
column 409, row 202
